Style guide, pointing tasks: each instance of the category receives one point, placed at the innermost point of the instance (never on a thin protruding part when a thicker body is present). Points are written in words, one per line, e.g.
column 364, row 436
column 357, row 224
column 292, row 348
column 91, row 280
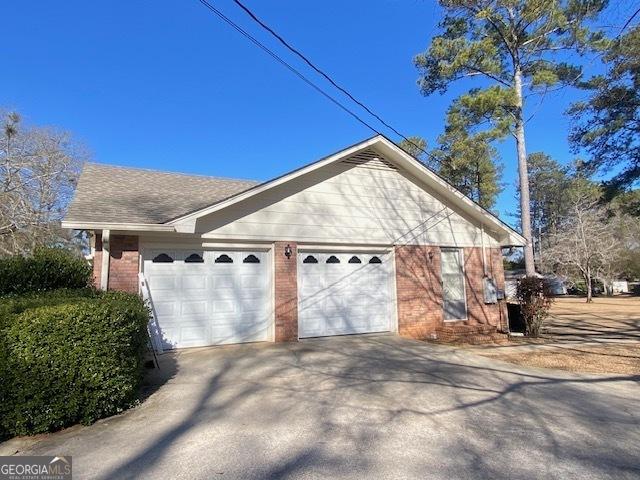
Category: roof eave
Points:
column 114, row 226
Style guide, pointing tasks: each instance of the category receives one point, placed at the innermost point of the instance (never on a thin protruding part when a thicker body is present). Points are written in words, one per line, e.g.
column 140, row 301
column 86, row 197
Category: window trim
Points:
column 464, row 284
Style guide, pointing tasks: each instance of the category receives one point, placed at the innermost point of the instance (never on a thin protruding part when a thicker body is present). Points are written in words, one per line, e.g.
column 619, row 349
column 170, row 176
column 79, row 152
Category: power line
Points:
column 272, row 54
column 296, row 72
column 319, row 71
column 627, row 23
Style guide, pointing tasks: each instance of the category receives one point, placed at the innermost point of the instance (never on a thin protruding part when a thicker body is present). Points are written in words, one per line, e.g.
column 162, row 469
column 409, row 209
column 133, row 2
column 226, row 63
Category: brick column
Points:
column 286, row 292
column 124, row 264
column 419, row 290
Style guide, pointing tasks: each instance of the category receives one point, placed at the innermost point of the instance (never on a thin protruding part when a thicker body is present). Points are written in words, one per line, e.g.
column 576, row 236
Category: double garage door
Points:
column 216, row 297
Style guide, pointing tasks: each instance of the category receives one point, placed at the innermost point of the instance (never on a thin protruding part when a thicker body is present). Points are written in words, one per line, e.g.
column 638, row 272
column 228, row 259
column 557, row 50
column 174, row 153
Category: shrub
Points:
column 70, row 361
column 535, row 300
column 14, row 304
column 46, row 269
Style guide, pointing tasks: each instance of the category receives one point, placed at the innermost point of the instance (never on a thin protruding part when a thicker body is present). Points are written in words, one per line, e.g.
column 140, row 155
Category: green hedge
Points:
column 46, row 269
column 69, row 359
column 14, row 304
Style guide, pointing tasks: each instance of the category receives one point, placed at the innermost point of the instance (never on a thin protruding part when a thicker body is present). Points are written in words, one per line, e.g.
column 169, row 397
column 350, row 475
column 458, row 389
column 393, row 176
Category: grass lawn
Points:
column 600, row 337
column 623, row 359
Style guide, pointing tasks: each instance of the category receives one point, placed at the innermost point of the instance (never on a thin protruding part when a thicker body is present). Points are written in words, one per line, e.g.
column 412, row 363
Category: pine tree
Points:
column 514, row 46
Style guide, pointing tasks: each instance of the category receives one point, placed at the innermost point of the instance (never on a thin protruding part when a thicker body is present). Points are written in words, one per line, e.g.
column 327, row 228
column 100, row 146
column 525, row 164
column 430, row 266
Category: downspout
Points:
column 104, row 269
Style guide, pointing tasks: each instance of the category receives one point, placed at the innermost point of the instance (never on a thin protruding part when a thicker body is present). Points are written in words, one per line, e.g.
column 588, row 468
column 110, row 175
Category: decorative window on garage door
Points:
column 453, row 293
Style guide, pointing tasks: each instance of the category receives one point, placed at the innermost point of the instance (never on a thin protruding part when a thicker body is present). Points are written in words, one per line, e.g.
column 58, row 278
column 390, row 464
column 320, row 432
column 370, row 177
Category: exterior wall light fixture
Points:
column 288, row 251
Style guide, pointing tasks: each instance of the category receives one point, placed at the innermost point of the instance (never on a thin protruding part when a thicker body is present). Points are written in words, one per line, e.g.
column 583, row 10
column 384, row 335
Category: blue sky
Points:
column 166, row 85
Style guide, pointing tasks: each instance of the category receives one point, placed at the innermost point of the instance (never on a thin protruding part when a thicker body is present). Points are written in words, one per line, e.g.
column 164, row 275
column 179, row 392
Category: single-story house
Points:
column 365, row 240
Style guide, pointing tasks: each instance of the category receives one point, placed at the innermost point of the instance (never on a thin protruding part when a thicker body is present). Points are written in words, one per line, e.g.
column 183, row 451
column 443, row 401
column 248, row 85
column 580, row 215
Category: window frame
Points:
column 463, row 273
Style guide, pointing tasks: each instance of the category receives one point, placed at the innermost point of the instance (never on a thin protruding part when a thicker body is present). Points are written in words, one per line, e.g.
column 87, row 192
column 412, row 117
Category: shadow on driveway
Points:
column 362, row 407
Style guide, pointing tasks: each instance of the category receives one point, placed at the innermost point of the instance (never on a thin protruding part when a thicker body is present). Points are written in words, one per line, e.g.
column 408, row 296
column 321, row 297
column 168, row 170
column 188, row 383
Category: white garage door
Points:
column 211, row 297
column 344, row 293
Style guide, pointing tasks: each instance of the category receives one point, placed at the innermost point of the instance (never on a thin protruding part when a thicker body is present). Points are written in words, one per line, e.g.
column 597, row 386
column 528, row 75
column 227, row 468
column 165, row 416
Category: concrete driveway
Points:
column 362, row 407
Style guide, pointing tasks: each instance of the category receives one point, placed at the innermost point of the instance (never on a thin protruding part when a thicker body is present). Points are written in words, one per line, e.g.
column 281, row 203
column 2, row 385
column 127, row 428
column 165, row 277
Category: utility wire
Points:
column 626, row 24
column 319, row 71
column 272, row 54
column 296, row 72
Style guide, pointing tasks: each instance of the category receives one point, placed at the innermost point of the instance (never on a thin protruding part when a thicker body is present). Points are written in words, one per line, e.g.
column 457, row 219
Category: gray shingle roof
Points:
column 107, row 193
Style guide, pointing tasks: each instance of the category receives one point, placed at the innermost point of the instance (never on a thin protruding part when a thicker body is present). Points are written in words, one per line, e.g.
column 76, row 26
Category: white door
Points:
column 344, row 293
column 210, row 297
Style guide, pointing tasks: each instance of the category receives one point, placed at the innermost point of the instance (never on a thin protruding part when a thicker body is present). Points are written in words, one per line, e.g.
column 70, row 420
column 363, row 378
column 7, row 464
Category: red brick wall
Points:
column 419, row 290
column 286, row 293
column 123, row 263
column 477, row 311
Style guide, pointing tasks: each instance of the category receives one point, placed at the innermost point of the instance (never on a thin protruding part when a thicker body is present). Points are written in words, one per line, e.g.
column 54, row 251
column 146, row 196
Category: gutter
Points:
column 121, row 227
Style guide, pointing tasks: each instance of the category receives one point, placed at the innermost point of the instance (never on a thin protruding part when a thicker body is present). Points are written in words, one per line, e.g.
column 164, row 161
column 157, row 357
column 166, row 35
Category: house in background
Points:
column 365, row 240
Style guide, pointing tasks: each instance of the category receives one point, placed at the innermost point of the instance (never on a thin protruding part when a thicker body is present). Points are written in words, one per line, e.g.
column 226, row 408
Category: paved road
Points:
column 362, row 407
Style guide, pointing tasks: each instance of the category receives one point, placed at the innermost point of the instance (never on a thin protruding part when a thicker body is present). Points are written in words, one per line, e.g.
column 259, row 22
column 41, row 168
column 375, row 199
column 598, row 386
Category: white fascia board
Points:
column 188, row 221
column 123, row 227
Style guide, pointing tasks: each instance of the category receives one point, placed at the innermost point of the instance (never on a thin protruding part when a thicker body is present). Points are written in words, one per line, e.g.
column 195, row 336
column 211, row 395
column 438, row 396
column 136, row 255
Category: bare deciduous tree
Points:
column 39, row 168
column 589, row 242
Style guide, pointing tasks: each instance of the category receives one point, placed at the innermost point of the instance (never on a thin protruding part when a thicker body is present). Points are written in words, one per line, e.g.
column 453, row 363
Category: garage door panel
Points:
column 343, row 298
column 210, row 303
column 222, row 279
column 195, row 282
column 165, row 309
column 250, row 280
column 224, row 306
column 164, row 282
column 193, row 308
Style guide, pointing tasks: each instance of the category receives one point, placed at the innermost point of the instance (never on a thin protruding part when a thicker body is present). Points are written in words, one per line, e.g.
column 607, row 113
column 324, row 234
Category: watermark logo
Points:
column 35, row 468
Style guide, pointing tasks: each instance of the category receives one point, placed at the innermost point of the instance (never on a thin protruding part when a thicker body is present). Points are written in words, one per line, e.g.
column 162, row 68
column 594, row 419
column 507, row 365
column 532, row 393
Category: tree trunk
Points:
column 525, row 214
column 588, row 281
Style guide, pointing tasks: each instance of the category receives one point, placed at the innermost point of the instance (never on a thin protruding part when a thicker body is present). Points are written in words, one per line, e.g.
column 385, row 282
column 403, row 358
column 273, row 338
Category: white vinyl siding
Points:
column 348, row 204
column 453, row 288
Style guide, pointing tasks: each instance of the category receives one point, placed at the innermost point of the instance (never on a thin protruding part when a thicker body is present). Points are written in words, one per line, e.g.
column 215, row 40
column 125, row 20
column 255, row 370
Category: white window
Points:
column 453, row 290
